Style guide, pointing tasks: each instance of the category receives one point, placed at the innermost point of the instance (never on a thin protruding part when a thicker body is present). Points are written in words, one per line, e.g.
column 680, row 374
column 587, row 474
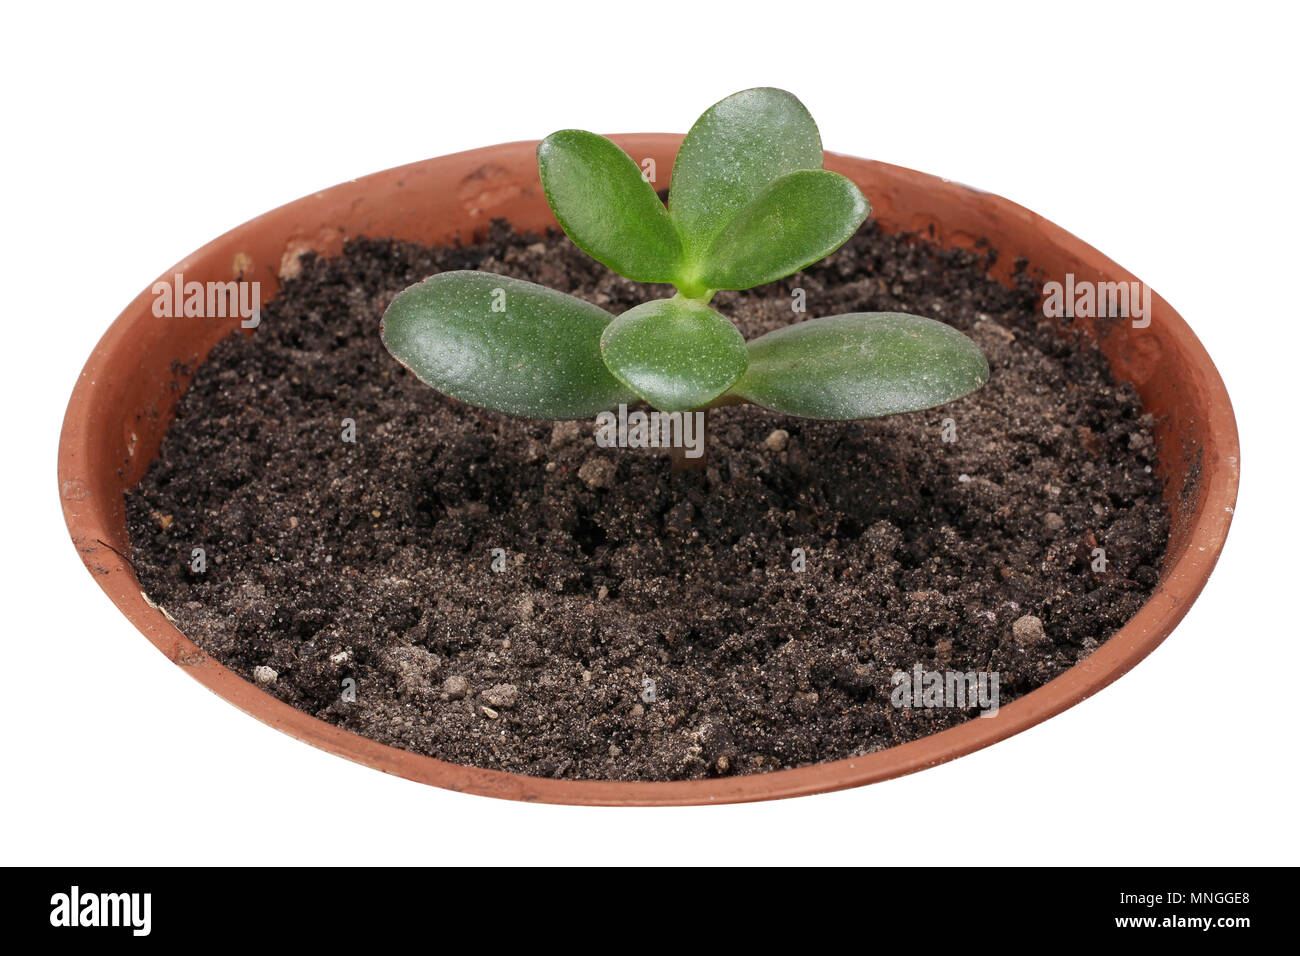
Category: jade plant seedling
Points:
column 749, row 204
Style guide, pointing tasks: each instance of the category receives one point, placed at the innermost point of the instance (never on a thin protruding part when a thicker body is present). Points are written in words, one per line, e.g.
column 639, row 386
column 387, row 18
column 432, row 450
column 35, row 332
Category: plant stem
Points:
column 678, row 455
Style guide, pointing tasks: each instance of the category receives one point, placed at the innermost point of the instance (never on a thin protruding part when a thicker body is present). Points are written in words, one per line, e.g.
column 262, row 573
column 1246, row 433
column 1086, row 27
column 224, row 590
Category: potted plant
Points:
column 490, row 587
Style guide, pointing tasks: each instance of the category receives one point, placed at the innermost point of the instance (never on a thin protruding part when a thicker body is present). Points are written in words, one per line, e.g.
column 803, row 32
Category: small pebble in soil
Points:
column 501, row 696
column 1028, row 630
column 597, row 473
column 777, row 440
column 264, row 675
column 564, row 433
column 455, row 688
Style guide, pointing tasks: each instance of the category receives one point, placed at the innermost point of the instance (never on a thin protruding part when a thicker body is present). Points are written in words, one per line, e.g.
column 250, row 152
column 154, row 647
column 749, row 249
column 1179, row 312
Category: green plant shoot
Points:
column 749, row 204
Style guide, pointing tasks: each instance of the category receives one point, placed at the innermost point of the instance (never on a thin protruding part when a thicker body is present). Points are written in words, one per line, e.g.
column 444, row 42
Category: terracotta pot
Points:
column 123, row 401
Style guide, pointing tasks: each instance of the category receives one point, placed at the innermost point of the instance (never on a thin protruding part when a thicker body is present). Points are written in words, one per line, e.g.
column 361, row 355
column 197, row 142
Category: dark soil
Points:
column 372, row 560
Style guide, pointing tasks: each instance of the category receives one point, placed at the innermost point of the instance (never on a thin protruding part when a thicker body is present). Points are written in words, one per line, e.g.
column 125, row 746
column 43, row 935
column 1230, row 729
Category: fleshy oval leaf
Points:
column 504, row 344
column 733, row 152
column 861, row 365
column 797, row 220
column 676, row 353
column 606, row 206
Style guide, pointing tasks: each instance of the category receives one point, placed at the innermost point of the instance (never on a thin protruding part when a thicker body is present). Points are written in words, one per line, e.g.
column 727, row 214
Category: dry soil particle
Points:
column 638, row 624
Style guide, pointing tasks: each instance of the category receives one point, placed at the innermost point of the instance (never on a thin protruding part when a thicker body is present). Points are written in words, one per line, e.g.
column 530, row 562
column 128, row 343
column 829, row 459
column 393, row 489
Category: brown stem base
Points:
column 678, row 455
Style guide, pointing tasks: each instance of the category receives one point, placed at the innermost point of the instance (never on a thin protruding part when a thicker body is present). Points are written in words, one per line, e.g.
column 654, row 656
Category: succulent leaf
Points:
column 504, row 344
column 861, row 365
column 737, row 148
column 607, row 208
column 676, row 353
column 797, row 220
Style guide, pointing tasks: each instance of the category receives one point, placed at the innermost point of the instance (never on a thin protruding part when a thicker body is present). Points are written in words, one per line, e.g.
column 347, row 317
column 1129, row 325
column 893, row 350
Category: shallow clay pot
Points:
column 124, row 398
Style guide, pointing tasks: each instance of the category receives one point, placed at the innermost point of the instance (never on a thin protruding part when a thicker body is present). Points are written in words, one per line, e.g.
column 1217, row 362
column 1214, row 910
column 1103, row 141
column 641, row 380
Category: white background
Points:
column 134, row 135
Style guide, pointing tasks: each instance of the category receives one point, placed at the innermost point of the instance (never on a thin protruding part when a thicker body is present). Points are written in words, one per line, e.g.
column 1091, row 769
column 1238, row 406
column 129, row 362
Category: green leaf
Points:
column 676, row 353
column 504, row 344
column 861, row 365
column 732, row 153
column 607, row 208
column 797, row 220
